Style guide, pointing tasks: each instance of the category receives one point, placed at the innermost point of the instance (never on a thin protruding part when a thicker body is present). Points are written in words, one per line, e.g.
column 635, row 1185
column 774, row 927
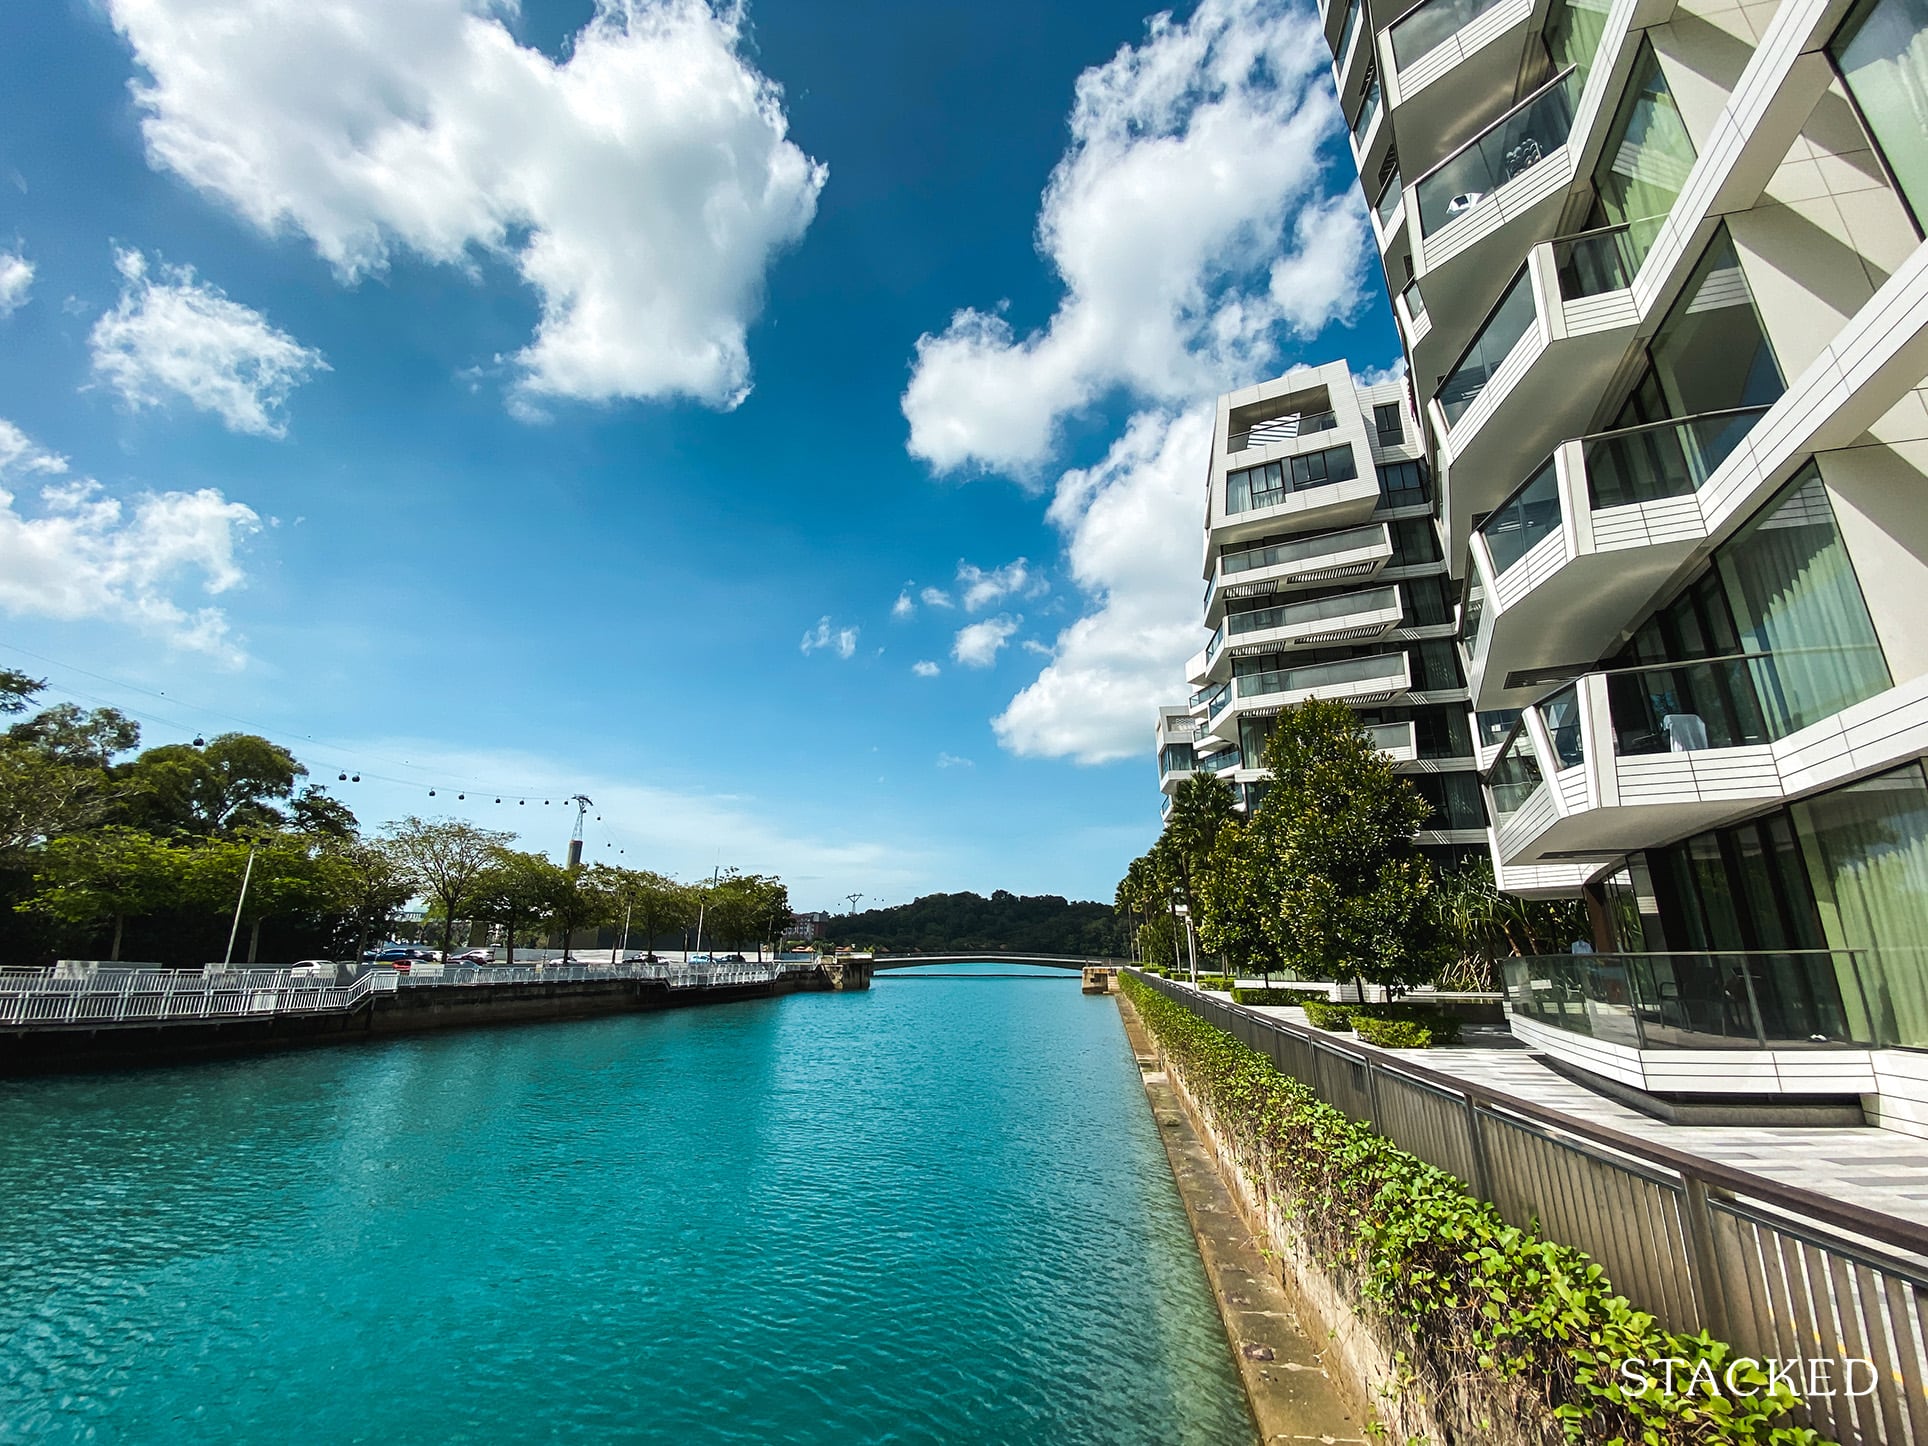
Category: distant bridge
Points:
column 988, row 956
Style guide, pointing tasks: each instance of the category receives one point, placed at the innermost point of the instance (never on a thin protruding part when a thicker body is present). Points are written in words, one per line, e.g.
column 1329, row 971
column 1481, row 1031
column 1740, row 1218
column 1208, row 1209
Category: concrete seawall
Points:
column 63, row 1048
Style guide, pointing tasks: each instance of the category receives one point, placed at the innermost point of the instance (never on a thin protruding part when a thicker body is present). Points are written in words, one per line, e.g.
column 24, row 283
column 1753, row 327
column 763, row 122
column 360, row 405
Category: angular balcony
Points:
column 1226, row 759
column 1314, row 622
column 1305, row 487
column 1371, row 679
column 1410, row 308
column 1496, row 196
column 1627, row 758
column 1298, row 563
column 1527, row 380
column 1566, row 562
column 1371, row 132
column 1454, row 62
column 1389, row 218
column 1281, row 430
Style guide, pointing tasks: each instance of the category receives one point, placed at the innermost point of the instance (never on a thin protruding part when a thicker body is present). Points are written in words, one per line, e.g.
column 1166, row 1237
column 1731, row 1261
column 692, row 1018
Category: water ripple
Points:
column 931, row 1214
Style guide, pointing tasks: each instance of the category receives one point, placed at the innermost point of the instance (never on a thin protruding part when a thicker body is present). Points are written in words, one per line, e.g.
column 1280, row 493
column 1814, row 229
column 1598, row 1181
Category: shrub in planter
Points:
column 1325, row 1014
column 1219, row 982
column 1404, row 1026
column 1267, row 996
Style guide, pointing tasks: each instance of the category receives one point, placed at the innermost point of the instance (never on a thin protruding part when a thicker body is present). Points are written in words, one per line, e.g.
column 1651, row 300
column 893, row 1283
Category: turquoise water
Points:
column 935, row 1212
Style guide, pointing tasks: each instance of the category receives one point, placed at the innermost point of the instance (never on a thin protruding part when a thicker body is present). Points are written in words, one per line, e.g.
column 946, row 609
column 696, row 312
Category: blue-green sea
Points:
column 935, row 1212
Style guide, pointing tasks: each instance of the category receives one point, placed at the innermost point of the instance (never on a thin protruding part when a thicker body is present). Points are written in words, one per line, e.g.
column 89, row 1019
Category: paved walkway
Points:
column 1879, row 1169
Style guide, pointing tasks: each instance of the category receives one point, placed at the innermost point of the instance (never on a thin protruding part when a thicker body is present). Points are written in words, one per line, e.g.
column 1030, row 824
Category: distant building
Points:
column 1324, row 578
column 808, row 927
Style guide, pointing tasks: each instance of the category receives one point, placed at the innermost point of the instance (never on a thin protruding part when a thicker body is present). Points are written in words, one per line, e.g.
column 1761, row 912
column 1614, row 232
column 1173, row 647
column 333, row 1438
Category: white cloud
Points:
column 174, row 335
column 936, row 597
column 1380, row 376
column 82, row 555
column 903, row 607
column 20, row 454
column 16, row 280
column 978, row 644
column 640, row 186
column 841, row 641
column 925, row 668
column 951, row 760
column 1131, row 526
column 979, row 589
column 1189, row 226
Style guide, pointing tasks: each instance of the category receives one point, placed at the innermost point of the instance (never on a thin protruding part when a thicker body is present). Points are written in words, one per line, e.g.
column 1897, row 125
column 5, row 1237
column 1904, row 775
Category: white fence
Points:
column 121, row 996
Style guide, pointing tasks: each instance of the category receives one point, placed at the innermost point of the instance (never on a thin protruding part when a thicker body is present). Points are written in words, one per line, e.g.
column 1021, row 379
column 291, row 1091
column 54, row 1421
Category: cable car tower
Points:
column 583, row 805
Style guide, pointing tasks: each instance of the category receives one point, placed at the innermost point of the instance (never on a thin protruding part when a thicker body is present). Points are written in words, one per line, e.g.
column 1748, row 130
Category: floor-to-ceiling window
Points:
column 1794, row 596
column 1711, row 353
column 1573, row 32
column 1882, row 53
column 1645, row 164
column 1866, row 848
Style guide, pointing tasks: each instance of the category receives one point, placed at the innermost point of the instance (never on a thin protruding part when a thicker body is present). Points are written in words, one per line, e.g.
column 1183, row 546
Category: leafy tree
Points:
column 41, row 797
column 514, row 891
column 319, row 814
column 64, row 734
column 1334, row 835
column 286, row 876
column 225, row 786
column 570, row 903
column 445, row 857
column 17, row 690
column 972, row 923
column 369, row 883
column 1237, row 896
column 1487, row 925
column 648, row 902
column 84, row 880
column 1201, row 806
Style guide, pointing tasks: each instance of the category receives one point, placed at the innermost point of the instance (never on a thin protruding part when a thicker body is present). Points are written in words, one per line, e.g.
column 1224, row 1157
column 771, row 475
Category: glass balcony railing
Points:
column 1531, row 513
column 1739, row 701
column 1593, row 263
column 1388, row 201
column 1301, row 549
column 1219, row 762
column 1389, row 668
column 1353, row 13
column 1505, row 150
column 1490, row 728
column 1425, row 28
column 1315, row 611
column 1511, row 320
column 1387, row 737
column 1756, row 999
column 1663, row 459
column 1415, row 303
column 1368, row 113
column 1561, row 715
column 1472, row 615
column 1514, row 776
column 1214, row 643
column 1200, row 698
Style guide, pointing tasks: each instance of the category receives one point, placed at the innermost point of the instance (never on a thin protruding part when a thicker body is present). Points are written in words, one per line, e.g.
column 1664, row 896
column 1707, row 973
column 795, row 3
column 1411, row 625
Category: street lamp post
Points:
column 1191, row 944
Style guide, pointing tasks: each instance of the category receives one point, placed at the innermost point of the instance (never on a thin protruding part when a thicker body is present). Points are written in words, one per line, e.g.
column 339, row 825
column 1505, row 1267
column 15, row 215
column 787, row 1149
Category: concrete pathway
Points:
column 1879, row 1169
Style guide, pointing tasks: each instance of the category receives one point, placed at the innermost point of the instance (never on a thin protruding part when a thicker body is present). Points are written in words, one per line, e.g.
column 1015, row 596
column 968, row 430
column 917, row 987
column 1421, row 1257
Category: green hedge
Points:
column 1220, row 982
column 1474, row 1295
column 1325, row 1014
column 1269, row 996
column 1404, row 1026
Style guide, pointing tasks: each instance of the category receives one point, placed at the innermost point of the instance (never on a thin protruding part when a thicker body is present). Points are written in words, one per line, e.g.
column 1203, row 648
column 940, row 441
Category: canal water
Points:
column 936, row 1212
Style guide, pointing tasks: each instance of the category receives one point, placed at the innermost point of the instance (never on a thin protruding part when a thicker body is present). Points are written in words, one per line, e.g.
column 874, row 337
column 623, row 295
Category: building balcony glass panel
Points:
column 1398, row 741
column 1318, row 620
column 1353, row 679
column 1220, row 761
column 1504, row 329
column 1429, row 25
column 1388, row 203
column 1593, row 263
column 1368, row 113
column 1790, row 999
column 1500, row 155
column 1297, row 563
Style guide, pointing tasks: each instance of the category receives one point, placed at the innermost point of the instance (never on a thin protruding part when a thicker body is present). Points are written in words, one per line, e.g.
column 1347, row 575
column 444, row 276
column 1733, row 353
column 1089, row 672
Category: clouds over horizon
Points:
column 173, row 335
column 1190, row 226
column 87, row 556
column 641, row 186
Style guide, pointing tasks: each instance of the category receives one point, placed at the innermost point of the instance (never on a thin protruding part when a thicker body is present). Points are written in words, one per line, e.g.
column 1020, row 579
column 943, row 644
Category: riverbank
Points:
column 1292, row 1394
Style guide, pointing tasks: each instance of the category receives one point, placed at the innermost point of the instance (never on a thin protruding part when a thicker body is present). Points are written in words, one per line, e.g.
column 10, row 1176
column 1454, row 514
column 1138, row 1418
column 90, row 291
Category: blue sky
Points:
column 629, row 398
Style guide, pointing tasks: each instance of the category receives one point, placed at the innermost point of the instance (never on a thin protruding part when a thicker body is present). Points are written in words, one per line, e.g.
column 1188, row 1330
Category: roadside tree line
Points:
column 109, row 850
column 1325, row 881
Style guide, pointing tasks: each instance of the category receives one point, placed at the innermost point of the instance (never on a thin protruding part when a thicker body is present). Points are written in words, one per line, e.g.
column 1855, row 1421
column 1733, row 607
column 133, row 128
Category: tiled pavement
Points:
column 1878, row 1169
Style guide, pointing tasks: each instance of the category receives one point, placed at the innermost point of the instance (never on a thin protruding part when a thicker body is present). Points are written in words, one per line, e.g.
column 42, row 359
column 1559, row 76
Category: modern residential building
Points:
column 1659, row 274
column 1324, row 578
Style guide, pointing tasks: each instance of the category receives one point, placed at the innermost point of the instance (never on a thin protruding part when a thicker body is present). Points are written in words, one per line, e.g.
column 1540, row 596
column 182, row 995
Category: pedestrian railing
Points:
column 1782, row 1273
column 122, row 996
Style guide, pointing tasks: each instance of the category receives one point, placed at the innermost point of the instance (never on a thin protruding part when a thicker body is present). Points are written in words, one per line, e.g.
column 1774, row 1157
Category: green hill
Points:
column 962, row 923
